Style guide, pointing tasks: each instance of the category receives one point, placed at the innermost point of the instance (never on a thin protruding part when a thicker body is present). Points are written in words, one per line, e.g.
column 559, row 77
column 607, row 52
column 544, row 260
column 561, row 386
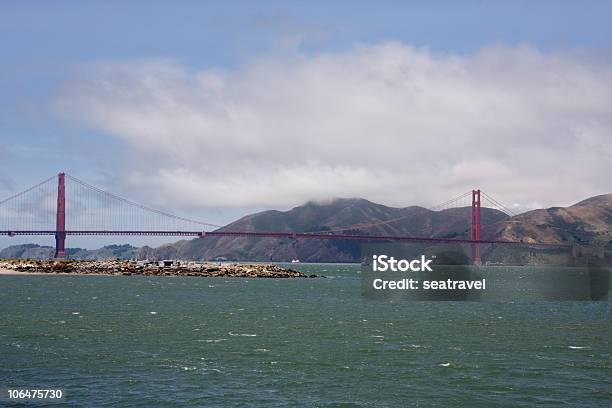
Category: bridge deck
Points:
column 293, row 235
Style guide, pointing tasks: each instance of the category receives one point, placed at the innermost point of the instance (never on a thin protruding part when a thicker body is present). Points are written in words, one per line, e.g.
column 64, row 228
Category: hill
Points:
column 585, row 222
column 312, row 216
column 33, row 251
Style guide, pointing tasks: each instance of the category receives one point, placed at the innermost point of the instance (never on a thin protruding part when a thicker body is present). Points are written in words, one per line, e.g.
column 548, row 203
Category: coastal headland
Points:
column 168, row 268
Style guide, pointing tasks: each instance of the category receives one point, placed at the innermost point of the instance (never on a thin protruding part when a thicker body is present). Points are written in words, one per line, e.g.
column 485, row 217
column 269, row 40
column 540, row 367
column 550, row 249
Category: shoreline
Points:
column 13, row 272
column 9, row 272
column 146, row 268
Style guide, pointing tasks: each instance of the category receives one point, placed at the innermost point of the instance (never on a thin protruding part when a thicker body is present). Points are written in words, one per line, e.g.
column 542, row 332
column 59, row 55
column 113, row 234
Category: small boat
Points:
column 295, row 261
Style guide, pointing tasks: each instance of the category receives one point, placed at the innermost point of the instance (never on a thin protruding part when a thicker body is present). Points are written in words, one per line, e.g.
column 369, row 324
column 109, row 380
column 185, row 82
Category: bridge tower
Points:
column 475, row 226
column 60, row 219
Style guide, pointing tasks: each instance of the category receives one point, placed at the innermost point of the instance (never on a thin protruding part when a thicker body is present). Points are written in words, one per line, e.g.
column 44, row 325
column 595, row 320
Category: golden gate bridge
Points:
column 63, row 205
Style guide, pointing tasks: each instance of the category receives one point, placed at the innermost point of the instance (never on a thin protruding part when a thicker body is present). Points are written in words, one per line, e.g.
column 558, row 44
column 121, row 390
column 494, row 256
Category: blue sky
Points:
column 54, row 53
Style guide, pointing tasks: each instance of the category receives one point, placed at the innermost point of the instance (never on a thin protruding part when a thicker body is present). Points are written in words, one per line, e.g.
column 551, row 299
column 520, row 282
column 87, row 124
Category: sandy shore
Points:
column 9, row 272
column 14, row 272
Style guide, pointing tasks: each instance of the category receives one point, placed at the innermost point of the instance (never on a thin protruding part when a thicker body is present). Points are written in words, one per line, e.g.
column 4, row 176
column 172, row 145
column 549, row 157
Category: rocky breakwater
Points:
column 165, row 268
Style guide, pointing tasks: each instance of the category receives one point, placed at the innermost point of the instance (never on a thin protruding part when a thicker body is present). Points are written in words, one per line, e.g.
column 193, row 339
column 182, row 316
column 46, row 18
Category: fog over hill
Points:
column 587, row 221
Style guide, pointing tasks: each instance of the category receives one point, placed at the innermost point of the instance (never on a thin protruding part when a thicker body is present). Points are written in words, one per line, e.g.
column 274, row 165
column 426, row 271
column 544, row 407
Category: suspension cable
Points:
column 141, row 206
column 28, row 190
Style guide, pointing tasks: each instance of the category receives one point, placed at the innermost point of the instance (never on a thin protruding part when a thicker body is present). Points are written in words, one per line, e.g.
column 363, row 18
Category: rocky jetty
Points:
column 146, row 268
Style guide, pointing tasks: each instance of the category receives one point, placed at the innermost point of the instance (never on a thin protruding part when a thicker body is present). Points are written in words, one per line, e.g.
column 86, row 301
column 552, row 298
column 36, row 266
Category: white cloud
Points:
column 388, row 122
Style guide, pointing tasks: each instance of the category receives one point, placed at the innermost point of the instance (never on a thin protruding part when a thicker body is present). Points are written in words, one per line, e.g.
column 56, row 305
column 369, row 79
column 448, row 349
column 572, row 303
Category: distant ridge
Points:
column 603, row 199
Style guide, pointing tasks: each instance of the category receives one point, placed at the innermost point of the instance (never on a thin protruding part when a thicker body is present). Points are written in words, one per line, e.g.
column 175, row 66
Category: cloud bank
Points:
column 388, row 122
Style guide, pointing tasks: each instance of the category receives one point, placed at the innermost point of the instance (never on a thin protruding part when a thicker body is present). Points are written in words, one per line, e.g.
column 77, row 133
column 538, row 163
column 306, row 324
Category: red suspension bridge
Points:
column 64, row 205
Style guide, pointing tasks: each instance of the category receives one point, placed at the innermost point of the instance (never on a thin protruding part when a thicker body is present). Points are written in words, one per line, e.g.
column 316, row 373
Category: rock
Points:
column 122, row 267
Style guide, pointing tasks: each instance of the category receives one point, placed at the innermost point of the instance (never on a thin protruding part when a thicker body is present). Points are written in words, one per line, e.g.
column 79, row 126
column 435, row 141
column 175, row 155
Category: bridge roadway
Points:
column 294, row 235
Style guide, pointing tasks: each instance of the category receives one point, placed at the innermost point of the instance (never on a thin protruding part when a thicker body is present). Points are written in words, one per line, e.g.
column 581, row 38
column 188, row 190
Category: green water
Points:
column 169, row 341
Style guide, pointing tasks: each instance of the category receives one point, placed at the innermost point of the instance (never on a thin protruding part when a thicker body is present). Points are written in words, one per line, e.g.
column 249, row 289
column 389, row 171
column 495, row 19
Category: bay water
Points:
column 136, row 341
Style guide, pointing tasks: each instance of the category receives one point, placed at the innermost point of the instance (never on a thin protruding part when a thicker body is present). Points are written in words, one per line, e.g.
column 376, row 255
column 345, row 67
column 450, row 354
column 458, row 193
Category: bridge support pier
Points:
column 475, row 227
column 60, row 218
